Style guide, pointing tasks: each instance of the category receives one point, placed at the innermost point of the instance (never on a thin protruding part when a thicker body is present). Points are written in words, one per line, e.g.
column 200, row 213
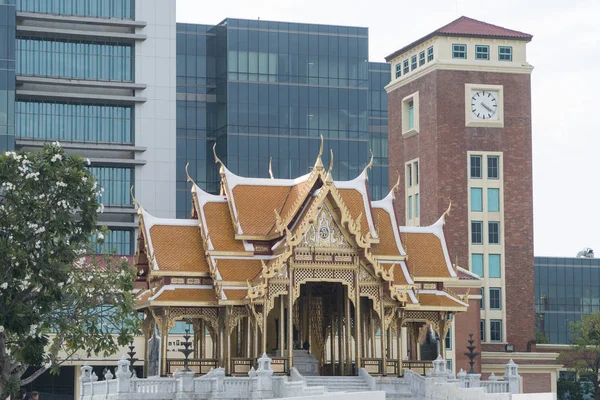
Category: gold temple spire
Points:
column 370, row 164
column 270, row 168
column 189, row 178
column 134, row 201
column 217, row 159
column 396, row 186
column 319, row 162
column 329, row 177
column 447, row 212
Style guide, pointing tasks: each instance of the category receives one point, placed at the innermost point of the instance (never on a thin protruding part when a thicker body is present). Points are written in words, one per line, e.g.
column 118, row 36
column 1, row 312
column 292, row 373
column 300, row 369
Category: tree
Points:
column 56, row 297
column 584, row 354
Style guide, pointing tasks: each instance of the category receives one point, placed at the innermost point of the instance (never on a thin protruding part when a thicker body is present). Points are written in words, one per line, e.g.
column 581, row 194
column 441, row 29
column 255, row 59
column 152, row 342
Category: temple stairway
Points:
column 339, row 383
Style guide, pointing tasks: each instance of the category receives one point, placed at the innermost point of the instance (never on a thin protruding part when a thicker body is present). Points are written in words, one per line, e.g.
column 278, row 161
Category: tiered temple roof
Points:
column 236, row 241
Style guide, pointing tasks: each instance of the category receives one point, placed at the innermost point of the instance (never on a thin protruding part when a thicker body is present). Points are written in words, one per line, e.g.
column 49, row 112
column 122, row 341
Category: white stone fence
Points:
column 441, row 384
column 260, row 384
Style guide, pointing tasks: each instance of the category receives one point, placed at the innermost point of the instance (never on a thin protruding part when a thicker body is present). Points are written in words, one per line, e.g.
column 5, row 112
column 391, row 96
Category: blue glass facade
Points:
column 7, row 74
column 116, row 182
column 74, row 60
column 565, row 289
column 268, row 90
column 123, row 9
column 119, row 241
column 86, row 123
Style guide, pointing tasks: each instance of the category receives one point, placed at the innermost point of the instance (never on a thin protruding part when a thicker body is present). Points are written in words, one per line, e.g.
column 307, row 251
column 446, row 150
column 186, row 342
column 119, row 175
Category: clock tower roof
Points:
column 465, row 26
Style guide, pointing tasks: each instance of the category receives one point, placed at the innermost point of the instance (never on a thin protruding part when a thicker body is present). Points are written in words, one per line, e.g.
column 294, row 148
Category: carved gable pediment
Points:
column 325, row 232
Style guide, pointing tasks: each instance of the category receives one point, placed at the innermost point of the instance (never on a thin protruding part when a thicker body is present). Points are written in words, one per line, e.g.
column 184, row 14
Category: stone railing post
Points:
column 184, row 381
column 474, row 380
column 511, row 374
column 217, row 378
column 123, row 375
column 462, row 378
column 86, row 376
column 264, row 379
column 439, row 373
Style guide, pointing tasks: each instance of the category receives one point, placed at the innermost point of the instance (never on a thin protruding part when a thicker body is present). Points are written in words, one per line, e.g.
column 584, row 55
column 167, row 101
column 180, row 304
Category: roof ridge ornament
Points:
column 319, row 162
column 217, row 159
column 396, row 186
column 329, row 177
column 135, row 202
column 189, row 178
column 270, row 168
column 369, row 165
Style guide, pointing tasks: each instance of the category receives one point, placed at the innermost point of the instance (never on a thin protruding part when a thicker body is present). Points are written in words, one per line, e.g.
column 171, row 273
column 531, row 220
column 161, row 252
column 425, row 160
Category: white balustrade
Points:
column 495, row 386
column 237, row 385
column 415, row 381
column 154, row 385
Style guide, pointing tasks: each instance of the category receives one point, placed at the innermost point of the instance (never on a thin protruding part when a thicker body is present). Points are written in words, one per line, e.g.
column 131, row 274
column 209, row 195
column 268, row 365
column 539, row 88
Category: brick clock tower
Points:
column 460, row 131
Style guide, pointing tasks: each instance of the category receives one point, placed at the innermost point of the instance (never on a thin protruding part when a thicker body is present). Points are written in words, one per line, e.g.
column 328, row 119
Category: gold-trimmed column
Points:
column 383, row 336
column 340, row 329
column 399, row 344
column 248, row 337
column 282, row 321
column 227, row 340
column 357, row 324
column 290, row 336
column 264, row 330
column 347, row 334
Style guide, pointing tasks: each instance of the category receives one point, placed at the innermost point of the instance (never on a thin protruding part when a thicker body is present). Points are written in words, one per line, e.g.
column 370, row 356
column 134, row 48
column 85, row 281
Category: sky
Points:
column 565, row 52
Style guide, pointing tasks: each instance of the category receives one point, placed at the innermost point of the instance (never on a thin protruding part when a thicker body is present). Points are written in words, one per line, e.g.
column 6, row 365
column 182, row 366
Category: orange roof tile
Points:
column 399, row 278
column 293, row 196
column 235, row 294
column 143, row 296
column 425, row 255
column 182, row 295
column 178, row 248
column 355, row 203
column 238, row 270
column 220, row 227
column 438, row 300
column 255, row 206
column 387, row 242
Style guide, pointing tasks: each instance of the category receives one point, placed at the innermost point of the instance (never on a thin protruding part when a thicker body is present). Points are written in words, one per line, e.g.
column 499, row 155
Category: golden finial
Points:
column 319, row 162
column 329, row 177
column 217, row 159
column 189, row 178
column 270, row 168
column 370, row 164
column 396, row 186
column 447, row 212
column 135, row 202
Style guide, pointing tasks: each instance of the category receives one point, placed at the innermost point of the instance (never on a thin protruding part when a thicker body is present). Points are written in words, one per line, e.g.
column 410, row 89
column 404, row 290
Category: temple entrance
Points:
column 322, row 322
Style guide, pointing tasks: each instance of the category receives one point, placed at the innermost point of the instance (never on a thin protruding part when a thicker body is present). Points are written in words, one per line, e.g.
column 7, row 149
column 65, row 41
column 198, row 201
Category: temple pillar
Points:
column 340, row 329
column 373, row 332
column 281, row 344
column 255, row 339
column 310, row 344
column 290, row 325
column 227, row 346
column 264, row 330
column 347, row 334
column 383, row 333
column 399, row 345
column 357, row 326
column 248, row 337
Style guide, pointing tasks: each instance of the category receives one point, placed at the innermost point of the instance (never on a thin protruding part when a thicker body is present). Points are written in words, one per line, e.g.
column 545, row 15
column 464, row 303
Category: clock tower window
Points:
column 459, row 51
column 482, row 52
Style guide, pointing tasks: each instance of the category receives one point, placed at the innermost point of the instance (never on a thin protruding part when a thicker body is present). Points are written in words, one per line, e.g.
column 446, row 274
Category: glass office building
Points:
column 84, row 88
column 7, row 74
column 266, row 90
column 565, row 290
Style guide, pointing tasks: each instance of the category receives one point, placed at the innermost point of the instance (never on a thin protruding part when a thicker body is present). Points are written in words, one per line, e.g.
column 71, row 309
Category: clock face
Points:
column 324, row 232
column 484, row 104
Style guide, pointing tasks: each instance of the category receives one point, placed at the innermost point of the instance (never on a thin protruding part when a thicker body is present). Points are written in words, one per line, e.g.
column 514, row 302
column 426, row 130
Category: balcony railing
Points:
column 420, row 367
column 199, row 366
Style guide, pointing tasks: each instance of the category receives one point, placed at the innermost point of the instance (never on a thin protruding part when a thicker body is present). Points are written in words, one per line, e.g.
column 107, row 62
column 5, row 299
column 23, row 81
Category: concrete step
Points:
column 338, row 383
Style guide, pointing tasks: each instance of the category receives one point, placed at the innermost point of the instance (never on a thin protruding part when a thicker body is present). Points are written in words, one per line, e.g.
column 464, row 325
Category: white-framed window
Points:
column 409, row 175
column 405, row 66
column 495, row 299
column 422, row 58
column 459, row 51
column 410, row 114
column 398, row 70
column 475, row 166
column 494, row 232
column 482, row 52
column 504, row 53
column 495, row 330
column 430, row 54
column 413, row 62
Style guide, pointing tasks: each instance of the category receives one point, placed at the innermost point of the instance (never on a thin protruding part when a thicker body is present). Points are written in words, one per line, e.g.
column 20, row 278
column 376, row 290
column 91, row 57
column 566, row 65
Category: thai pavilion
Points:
column 279, row 265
